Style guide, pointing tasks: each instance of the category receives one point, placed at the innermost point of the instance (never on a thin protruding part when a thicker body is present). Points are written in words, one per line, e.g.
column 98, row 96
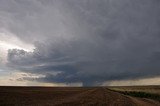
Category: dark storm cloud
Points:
column 87, row 41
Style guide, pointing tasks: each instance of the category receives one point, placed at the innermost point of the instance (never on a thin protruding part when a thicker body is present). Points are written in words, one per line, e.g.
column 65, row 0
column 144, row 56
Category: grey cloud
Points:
column 87, row 41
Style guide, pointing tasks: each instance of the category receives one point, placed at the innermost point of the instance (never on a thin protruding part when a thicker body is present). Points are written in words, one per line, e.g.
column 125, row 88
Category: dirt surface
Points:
column 68, row 96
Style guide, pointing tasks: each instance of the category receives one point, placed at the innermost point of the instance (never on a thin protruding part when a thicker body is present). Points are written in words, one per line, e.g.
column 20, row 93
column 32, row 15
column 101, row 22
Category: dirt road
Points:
column 31, row 96
column 105, row 97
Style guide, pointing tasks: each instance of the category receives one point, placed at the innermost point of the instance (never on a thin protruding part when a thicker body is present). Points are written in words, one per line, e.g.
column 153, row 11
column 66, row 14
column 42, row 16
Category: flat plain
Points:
column 74, row 96
column 149, row 89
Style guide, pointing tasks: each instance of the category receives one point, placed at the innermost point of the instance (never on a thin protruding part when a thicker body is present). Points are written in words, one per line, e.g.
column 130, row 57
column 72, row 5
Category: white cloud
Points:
column 13, row 79
column 10, row 41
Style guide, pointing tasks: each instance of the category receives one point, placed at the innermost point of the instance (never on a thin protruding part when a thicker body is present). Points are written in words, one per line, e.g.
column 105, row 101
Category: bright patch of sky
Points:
column 10, row 41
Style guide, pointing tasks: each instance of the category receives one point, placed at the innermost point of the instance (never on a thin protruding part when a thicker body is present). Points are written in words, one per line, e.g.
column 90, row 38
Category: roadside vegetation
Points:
column 141, row 95
column 149, row 92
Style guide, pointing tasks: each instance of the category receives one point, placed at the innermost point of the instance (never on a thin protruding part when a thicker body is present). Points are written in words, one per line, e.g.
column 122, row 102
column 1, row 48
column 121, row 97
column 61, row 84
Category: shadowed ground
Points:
column 70, row 96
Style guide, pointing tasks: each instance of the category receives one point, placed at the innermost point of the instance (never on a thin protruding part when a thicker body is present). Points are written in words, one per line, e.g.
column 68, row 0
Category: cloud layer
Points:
column 86, row 41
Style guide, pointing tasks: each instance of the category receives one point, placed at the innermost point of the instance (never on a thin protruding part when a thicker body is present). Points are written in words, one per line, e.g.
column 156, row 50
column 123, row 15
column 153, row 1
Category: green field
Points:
column 150, row 92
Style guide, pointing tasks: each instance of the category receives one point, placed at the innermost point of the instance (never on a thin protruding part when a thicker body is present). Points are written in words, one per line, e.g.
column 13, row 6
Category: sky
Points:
column 79, row 42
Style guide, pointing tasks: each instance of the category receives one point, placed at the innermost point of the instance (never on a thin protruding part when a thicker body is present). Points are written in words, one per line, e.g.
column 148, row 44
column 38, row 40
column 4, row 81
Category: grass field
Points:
column 150, row 92
column 148, row 89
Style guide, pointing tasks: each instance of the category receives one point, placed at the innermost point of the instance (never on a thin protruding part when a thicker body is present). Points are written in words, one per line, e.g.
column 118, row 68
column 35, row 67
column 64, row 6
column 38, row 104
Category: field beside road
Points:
column 69, row 96
column 148, row 89
column 150, row 92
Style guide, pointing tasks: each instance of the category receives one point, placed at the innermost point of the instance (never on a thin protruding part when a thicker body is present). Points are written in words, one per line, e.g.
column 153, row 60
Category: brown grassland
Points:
column 78, row 96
